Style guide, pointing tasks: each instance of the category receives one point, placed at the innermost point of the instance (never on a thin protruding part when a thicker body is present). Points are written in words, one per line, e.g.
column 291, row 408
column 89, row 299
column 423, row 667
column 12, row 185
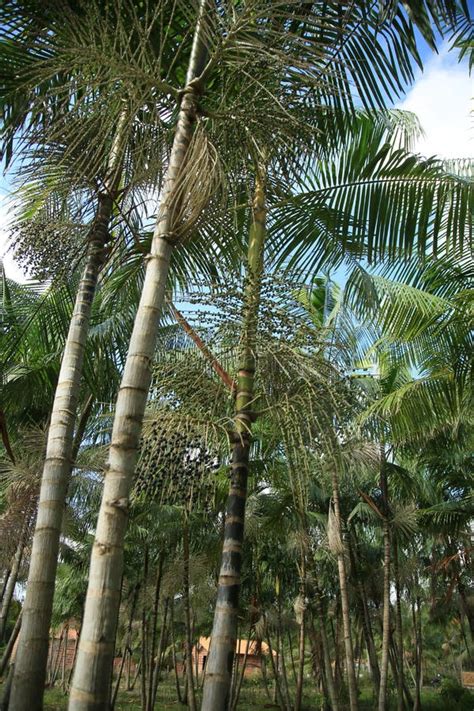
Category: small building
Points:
column 467, row 680
column 254, row 650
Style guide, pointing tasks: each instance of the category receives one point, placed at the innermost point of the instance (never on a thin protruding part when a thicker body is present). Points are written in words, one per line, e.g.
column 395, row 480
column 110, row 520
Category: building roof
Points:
column 205, row 643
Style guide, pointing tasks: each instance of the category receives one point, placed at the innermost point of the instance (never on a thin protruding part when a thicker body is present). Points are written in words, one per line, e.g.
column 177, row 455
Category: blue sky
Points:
column 441, row 96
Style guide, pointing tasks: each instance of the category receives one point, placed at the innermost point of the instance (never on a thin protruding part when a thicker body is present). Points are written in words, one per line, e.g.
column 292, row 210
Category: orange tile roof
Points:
column 205, row 643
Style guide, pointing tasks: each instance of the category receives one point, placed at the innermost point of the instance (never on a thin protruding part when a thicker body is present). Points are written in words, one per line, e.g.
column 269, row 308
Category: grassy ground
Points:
column 252, row 697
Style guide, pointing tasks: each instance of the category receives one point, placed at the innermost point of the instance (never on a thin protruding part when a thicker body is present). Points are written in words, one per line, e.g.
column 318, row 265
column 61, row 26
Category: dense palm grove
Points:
column 236, row 395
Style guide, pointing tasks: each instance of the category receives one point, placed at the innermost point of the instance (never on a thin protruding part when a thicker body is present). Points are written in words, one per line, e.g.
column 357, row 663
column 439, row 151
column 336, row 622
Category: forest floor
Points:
column 253, row 697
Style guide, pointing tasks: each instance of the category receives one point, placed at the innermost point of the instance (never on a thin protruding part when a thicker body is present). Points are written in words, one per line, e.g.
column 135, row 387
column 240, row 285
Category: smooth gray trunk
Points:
column 90, row 689
column 32, row 653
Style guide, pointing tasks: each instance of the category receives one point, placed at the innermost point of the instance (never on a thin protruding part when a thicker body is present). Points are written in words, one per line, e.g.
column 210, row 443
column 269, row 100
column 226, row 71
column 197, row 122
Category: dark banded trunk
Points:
column 217, row 683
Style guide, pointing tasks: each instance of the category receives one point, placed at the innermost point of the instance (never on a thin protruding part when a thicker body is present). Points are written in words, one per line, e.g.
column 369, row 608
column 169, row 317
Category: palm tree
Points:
column 155, row 277
column 91, row 681
column 31, row 657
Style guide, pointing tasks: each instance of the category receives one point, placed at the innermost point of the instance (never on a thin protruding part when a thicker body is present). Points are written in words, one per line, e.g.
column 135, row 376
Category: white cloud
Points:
column 442, row 98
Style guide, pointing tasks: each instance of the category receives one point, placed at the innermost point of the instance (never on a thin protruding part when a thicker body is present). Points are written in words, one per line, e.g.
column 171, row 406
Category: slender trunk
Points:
column 129, row 668
column 144, row 644
column 76, row 644
column 263, row 668
column 292, row 657
column 4, row 582
column 235, row 670
column 416, row 614
column 90, row 689
column 126, row 646
column 187, row 617
column 55, row 667
column 393, row 658
column 240, row 675
column 137, row 674
column 208, row 355
column 219, row 666
column 6, row 689
column 467, row 607
column 364, row 615
column 385, row 620
column 338, row 671
column 300, row 681
column 173, row 654
column 63, row 670
column 32, row 654
column 274, row 664
column 281, row 651
column 382, row 703
column 154, row 620
column 326, row 655
column 302, row 638
column 12, row 578
column 346, row 620
column 159, row 656
column 10, row 644
column 398, row 628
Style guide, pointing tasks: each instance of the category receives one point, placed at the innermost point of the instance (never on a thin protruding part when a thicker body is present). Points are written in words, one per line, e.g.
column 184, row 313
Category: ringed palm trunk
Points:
column 91, row 681
column 219, row 664
column 386, row 590
column 32, row 654
column 346, row 619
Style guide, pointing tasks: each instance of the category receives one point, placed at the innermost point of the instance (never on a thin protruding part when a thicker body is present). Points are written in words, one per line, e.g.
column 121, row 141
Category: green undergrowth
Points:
column 253, row 697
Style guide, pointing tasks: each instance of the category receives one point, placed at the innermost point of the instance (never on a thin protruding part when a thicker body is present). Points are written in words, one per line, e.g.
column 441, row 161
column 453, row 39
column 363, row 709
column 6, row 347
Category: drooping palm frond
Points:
column 373, row 201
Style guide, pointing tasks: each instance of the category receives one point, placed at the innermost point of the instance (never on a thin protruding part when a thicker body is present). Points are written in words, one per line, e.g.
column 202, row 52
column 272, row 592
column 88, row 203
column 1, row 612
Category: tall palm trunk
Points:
column 13, row 577
column 302, row 636
column 219, row 664
column 187, row 616
column 91, row 682
column 398, row 628
column 364, row 614
column 416, row 616
column 346, row 620
column 32, row 654
column 332, row 693
column 382, row 703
